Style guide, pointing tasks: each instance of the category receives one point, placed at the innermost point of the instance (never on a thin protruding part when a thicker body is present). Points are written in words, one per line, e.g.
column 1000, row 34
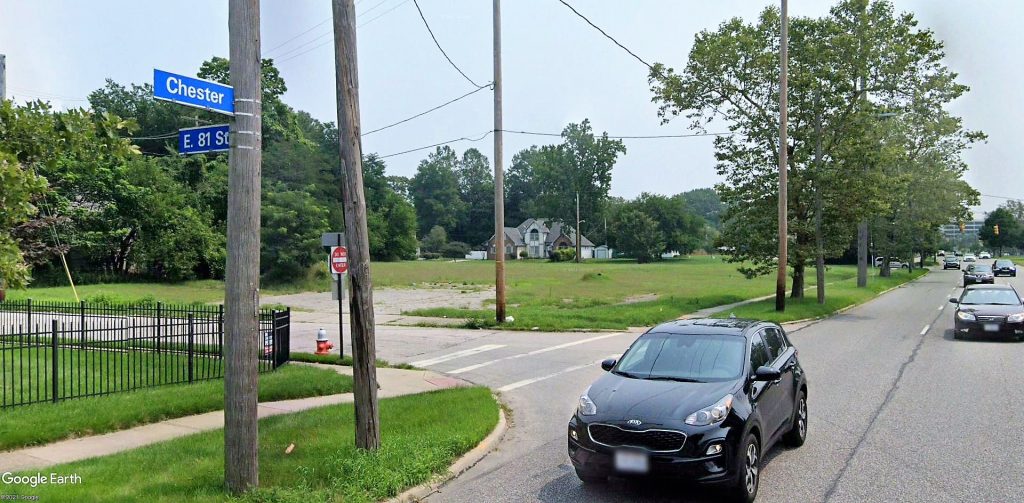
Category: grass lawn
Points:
column 421, row 435
column 837, row 296
column 603, row 294
column 334, row 359
column 47, row 422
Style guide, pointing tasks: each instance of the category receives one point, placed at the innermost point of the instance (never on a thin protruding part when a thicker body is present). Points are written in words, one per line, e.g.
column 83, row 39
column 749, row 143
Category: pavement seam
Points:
column 878, row 412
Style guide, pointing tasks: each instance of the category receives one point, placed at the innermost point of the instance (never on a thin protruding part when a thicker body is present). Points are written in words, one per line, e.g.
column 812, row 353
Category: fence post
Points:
column 191, row 340
column 220, row 332
column 159, row 324
column 81, row 322
column 29, row 311
column 53, row 349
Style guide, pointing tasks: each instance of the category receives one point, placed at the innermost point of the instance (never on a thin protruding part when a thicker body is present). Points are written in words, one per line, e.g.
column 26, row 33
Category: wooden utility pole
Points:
column 364, row 351
column 499, row 176
column 578, row 258
column 241, row 300
column 780, row 283
column 3, row 77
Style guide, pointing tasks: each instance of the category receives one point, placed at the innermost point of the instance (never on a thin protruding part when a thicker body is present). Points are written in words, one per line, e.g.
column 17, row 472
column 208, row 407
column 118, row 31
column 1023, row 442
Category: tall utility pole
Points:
column 578, row 227
column 862, row 226
column 499, row 176
column 780, row 283
column 3, row 77
column 364, row 350
column 241, row 300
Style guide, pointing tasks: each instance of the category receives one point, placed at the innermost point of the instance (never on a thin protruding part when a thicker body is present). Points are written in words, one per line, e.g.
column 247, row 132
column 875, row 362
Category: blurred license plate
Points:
column 991, row 327
column 631, row 462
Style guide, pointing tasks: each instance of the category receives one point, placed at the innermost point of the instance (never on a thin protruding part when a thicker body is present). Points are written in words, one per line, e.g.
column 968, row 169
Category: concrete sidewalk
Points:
column 393, row 382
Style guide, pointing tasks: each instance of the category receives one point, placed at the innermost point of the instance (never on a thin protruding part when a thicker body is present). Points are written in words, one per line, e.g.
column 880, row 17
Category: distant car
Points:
column 988, row 310
column 957, row 254
column 984, row 255
column 941, row 253
column 951, row 263
column 1004, row 266
column 970, row 258
column 700, row 400
column 978, row 273
column 894, row 263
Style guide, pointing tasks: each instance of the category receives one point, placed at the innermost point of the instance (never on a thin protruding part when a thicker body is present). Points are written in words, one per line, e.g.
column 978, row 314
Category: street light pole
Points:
column 780, row 283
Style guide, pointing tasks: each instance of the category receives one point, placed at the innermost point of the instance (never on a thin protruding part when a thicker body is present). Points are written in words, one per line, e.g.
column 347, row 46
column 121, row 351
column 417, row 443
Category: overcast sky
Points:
column 556, row 68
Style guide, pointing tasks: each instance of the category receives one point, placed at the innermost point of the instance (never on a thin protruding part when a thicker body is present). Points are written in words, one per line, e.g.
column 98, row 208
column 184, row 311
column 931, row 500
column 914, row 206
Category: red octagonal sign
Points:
column 339, row 259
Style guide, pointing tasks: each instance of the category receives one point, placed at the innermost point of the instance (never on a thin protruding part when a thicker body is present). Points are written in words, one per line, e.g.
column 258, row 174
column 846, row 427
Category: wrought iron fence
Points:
column 52, row 351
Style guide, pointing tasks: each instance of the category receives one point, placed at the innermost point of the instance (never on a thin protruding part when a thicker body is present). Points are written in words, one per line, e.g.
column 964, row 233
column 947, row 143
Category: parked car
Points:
column 894, row 263
column 666, row 408
column 979, row 273
column 970, row 258
column 951, row 263
column 988, row 310
column 984, row 255
column 1004, row 266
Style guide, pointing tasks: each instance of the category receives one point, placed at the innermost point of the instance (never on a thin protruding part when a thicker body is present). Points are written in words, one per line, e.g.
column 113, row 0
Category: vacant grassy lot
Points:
column 837, row 296
column 604, row 294
column 46, row 422
column 421, row 435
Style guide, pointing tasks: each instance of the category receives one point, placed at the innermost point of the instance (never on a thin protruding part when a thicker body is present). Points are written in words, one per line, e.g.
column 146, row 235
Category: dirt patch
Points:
column 391, row 301
column 636, row 299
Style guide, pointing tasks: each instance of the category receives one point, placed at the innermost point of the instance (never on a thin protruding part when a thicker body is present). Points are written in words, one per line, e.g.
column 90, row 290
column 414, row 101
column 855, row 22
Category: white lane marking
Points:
column 531, row 353
column 943, row 306
column 457, row 354
column 925, row 329
column 526, row 382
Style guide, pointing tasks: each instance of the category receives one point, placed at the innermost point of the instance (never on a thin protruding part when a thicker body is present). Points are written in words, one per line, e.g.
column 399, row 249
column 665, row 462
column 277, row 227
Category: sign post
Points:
column 339, row 266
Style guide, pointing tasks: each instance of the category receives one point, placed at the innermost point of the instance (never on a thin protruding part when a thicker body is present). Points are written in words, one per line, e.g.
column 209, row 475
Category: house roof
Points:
column 557, row 229
column 552, row 231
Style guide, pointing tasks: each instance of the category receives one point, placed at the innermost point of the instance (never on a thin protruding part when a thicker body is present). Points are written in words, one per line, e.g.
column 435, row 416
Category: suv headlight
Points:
column 587, row 406
column 964, row 315
column 1015, row 318
column 713, row 414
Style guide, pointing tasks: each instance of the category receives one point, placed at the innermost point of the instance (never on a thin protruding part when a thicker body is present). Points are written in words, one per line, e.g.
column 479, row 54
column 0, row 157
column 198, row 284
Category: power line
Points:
column 421, row 114
column 1003, row 197
column 624, row 137
column 438, row 44
column 292, row 55
column 609, row 37
column 464, row 138
column 382, row 14
column 282, row 44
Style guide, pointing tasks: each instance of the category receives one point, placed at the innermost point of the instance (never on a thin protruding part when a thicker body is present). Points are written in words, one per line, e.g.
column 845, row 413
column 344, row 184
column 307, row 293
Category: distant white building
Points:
column 603, row 252
column 535, row 238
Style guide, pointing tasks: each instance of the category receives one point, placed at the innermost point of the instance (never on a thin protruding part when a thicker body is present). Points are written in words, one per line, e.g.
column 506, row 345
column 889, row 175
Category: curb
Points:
column 467, row 461
column 810, row 321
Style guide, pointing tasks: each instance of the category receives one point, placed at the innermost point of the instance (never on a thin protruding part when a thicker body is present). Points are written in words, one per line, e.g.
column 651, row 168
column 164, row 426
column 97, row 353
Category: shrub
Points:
column 455, row 249
column 524, row 254
column 563, row 255
column 430, row 255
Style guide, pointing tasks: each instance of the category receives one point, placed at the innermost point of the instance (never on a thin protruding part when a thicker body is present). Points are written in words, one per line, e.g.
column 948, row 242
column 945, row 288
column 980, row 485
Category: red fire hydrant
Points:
column 323, row 346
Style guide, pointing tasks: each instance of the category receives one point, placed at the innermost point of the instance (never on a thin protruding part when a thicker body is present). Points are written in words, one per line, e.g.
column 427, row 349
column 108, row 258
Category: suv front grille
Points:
column 652, row 440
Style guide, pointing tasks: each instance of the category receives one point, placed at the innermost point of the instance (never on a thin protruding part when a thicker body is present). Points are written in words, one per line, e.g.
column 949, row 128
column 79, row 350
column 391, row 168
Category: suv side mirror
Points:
column 766, row 373
column 608, row 364
column 954, row 300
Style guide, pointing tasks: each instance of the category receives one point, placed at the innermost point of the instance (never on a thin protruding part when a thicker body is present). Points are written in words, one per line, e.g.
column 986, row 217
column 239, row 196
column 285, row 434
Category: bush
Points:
column 563, row 255
column 430, row 255
column 455, row 249
column 524, row 254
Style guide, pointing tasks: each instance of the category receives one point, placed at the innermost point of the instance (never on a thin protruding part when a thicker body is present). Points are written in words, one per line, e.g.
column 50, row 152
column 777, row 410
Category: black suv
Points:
column 700, row 400
column 1004, row 266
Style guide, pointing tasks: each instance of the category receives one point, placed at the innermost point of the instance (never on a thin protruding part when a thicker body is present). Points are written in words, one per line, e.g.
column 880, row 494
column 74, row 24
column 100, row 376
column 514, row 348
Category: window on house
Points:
column 534, row 235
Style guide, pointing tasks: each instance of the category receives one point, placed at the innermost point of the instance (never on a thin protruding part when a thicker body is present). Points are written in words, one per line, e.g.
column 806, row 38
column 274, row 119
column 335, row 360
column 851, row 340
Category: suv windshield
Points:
column 990, row 296
column 684, row 357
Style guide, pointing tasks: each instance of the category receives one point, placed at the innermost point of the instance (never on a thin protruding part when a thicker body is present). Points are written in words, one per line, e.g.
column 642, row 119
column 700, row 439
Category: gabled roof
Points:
column 557, row 229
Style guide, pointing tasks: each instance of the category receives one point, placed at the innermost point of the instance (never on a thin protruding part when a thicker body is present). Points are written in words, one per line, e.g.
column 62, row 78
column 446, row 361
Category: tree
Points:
column 292, row 223
column 435, row 191
column 435, row 240
column 836, row 170
column 476, row 190
column 18, row 188
column 638, row 236
column 680, row 230
column 1009, row 230
column 582, row 164
column 520, row 187
column 704, row 203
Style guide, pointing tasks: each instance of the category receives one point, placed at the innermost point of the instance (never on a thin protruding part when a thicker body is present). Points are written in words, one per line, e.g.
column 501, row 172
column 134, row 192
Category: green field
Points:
column 838, row 295
column 421, row 435
column 48, row 422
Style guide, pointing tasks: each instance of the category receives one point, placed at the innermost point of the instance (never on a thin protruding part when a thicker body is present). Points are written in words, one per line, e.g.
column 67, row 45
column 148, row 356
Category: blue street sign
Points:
column 193, row 92
column 198, row 140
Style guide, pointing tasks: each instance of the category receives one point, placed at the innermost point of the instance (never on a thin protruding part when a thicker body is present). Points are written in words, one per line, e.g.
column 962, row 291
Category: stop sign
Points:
column 339, row 259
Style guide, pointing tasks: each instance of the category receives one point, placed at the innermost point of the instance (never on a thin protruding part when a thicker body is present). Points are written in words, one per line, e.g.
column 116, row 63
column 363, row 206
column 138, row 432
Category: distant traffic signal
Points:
column 995, row 229
column 962, row 227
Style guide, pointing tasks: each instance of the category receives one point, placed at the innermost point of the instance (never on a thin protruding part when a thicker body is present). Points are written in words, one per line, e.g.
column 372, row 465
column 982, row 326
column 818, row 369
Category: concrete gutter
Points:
column 461, row 465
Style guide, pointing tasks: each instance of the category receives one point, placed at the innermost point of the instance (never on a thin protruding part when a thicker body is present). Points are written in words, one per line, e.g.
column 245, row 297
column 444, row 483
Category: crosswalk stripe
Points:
column 526, row 382
column 531, row 353
column 457, row 354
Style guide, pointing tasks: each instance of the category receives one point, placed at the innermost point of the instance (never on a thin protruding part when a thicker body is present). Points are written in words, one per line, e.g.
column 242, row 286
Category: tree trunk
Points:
column 798, row 280
column 886, row 271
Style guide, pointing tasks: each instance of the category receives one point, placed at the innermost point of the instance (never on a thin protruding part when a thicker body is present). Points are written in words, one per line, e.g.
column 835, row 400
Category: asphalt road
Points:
column 899, row 410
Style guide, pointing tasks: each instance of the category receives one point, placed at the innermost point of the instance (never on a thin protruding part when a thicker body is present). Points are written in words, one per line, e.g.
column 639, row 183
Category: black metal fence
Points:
column 51, row 351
